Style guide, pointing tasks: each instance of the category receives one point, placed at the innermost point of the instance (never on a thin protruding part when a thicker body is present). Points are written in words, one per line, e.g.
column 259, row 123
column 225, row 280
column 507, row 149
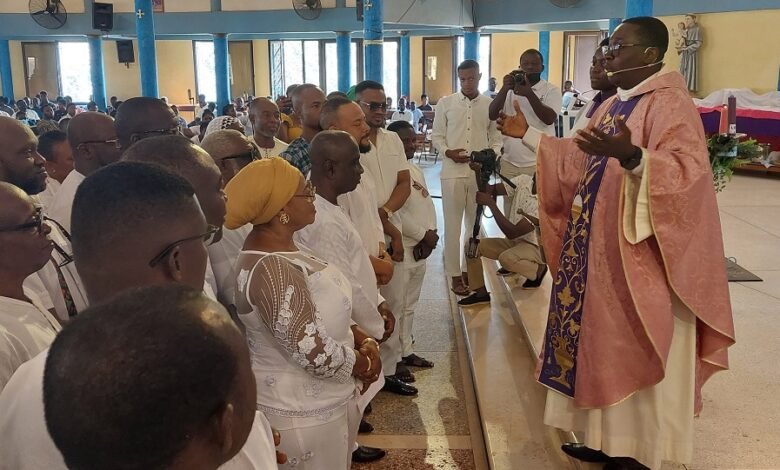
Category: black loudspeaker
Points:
column 103, row 16
column 125, row 52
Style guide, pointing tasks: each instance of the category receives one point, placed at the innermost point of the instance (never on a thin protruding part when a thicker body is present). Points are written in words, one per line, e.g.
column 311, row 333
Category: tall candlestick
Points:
column 732, row 115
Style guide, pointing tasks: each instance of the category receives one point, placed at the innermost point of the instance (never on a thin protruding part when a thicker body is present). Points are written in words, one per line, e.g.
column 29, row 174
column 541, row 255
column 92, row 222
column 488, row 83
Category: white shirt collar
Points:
column 625, row 95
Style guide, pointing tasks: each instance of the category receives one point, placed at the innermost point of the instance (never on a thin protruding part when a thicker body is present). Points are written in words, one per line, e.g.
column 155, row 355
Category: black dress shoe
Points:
column 365, row 454
column 586, row 454
column 534, row 283
column 474, row 299
column 394, row 385
column 624, row 463
column 365, row 427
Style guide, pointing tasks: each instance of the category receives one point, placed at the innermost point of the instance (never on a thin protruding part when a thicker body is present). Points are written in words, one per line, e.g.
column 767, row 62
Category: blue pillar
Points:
column 344, row 59
column 373, row 34
column 471, row 44
column 5, row 71
column 97, row 73
column 405, row 64
column 614, row 23
column 544, row 48
column 221, row 57
column 147, row 51
column 636, row 8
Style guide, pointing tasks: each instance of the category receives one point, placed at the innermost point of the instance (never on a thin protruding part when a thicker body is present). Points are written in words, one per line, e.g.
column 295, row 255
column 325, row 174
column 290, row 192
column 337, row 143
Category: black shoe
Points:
column 474, row 299
column 534, row 283
column 365, row 427
column 365, row 454
column 504, row 272
column 624, row 463
column 585, row 454
column 403, row 373
column 394, row 385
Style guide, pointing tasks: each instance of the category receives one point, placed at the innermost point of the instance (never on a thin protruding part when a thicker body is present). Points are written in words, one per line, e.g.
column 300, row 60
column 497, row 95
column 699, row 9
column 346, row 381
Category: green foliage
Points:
column 720, row 146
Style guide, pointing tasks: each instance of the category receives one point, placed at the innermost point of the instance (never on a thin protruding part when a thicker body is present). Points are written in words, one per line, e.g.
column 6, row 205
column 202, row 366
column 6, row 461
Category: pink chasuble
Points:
column 610, row 323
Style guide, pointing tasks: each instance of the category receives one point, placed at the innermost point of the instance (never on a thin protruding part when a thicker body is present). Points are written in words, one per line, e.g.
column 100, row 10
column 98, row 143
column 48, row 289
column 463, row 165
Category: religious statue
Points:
column 687, row 44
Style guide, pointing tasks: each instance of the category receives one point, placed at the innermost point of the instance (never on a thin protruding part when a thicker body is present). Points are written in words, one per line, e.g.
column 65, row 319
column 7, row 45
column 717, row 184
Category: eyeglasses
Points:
column 170, row 131
column 614, row 49
column 373, row 106
column 36, row 223
column 250, row 155
column 309, row 191
column 114, row 142
column 208, row 239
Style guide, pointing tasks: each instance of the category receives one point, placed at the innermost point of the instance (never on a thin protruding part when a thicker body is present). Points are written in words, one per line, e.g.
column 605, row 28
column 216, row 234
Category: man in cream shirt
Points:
column 462, row 125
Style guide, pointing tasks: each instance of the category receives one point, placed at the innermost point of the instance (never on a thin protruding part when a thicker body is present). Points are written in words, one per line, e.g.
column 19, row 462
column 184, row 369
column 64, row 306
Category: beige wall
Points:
column 739, row 50
column 415, row 68
column 175, row 70
column 555, row 67
column 262, row 68
column 121, row 81
column 507, row 48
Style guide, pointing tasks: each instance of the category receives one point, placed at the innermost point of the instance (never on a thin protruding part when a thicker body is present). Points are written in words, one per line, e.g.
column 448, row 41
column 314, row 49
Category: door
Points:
column 41, row 68
column 242, row 68
column 438, row 67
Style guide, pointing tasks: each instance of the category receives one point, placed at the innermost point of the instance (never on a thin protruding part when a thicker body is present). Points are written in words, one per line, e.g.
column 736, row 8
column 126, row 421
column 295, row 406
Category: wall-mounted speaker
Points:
column 103, row 16
column 125, row 52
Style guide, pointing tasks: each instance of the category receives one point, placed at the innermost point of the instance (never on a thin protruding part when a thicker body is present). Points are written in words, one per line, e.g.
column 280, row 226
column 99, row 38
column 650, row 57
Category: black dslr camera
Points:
column 518, row 76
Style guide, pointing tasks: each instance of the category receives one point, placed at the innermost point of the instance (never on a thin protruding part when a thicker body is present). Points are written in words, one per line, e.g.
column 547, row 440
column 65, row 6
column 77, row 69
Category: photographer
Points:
column 519, row 252
column 539, row 100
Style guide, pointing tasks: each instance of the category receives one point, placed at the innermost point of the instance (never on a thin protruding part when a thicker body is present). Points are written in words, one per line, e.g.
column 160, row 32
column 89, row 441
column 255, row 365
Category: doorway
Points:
column 438, row 66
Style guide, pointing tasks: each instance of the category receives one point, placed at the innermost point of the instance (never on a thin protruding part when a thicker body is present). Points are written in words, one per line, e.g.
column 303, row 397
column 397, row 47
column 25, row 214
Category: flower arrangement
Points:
column 728, row 152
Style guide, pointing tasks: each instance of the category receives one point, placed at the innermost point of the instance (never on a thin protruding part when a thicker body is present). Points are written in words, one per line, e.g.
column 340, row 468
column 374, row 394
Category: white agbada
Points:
column 26, row 329
column 46, row 197
column 279, row 147
column 333, row 238
column 301, row 346
column 62, row 206
column 361, row 208
column 383, row 163
column 25, row 443
column 223, row 255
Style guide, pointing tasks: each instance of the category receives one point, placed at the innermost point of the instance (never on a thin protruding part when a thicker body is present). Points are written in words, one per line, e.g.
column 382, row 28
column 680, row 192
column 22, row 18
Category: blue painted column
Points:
column 5, row 71
column 147, row 51
column 636, row 8
column 544, row 48
column 344, row 59
column 405, row 65
column 471, row 44
column 222, row 70
column 373, row 34
column 614, row 23
column 96, row 71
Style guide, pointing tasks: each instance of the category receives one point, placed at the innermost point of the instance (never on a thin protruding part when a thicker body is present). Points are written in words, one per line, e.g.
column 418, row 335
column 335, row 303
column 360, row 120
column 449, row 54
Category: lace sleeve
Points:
column 278, row 290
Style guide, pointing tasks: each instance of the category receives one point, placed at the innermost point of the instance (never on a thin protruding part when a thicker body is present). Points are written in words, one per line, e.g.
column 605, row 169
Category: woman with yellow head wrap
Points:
column 297, row 312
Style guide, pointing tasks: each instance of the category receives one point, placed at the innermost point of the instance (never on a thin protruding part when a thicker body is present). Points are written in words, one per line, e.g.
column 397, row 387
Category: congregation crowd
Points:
column 233, row 291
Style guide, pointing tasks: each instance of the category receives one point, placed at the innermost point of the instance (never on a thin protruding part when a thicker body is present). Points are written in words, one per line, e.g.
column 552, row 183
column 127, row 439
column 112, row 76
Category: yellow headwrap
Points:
column 259, row 191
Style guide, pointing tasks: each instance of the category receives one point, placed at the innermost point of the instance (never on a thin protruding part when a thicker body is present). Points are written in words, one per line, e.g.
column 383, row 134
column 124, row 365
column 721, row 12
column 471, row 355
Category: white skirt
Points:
column 652, row 425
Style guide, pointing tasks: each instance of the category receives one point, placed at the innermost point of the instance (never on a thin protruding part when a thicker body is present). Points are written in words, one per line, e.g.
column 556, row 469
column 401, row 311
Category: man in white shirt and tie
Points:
column 462, row 125
column 402, row 114
column 540, row 101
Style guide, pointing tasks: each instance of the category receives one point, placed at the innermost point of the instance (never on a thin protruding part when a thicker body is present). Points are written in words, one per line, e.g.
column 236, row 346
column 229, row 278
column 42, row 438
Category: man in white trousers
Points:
column 462, row 125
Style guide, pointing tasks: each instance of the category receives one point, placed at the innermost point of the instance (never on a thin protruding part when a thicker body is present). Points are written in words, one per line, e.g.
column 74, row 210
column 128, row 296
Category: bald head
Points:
column 92, row 136
column 180, row 156
column 335, row 159
column 20, row 162
column 142, row 117
column 23, row 251
column 265, row 117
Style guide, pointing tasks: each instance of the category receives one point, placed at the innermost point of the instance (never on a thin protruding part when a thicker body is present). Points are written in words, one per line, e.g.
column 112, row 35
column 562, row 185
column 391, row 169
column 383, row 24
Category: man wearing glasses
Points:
column 639, row 313
column 142, row 117
column 26, row 327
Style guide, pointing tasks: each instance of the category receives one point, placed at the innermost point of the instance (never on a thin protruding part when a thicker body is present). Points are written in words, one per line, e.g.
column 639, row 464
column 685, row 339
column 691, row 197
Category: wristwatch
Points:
column 387, row 211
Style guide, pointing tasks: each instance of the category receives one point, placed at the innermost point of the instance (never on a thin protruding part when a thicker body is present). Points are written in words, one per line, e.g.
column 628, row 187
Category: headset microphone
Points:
column 612, row 74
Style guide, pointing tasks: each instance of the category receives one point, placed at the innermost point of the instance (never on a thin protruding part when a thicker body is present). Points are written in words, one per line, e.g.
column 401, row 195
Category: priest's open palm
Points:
column 513, row 126
column 595, row 142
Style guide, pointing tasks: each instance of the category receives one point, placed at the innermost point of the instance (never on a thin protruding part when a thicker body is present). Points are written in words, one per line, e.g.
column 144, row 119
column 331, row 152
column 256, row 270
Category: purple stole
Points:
column 559, row 365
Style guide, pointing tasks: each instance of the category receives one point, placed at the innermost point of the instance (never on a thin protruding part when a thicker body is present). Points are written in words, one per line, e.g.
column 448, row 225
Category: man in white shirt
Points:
column 540, row 101
column 28, row 114
column 266, row 119
column 402, row 114
column 417, row 116
column 518, row 252
column 202, row 106
column 26, row 328
column 462, row 125
column 420, row 237
column 133, row 225
column 54, row 147
column 386, row 163
column 124, row 349
column 335, row 171
column 491, row 91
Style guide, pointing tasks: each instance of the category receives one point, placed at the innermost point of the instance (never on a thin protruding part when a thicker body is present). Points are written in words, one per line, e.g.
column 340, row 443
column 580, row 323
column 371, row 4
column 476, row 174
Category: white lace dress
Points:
column 297, row 313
